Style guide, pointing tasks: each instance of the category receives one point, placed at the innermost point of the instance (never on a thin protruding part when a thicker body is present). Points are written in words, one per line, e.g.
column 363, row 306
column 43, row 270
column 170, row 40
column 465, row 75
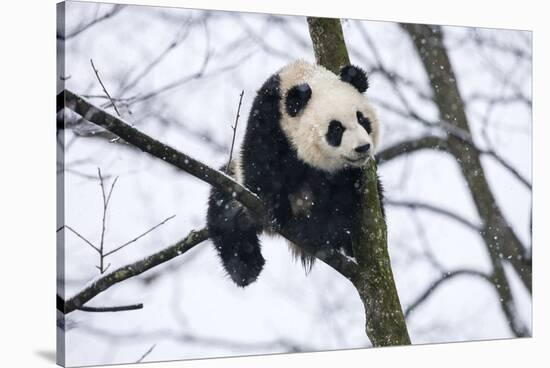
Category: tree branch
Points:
column 123, row 273
column 80, row 236
column 103, row 86
column 439, row 282
column 413, row 145
column 435, row 209
column 139, row 236
column 121, row 308
column 146, row 353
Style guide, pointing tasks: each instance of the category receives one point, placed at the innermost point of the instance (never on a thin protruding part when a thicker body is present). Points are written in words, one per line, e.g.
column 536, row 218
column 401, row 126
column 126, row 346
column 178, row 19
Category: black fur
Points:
column 235, row 236
column 364, row 121
column 272, row 170
column 355, row 76
column 297, row 98
column 334, row 133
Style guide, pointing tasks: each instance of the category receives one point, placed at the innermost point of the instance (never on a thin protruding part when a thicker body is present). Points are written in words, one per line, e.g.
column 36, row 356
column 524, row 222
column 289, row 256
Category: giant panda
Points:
column 308, row 136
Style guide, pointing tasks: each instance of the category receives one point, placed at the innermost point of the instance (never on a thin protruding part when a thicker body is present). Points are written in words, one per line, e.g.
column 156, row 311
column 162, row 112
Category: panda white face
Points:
column 326, row 117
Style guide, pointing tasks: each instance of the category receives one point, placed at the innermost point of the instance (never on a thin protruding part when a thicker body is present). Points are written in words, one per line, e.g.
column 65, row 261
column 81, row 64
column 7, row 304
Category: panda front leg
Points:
column 279, row 210
column 234, row 233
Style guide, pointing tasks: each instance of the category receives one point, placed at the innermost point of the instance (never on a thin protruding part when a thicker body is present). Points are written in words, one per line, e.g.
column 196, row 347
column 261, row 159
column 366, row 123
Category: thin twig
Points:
column 180, row 37
column 421, row 231
column 440, row 281
column 80, row 236
column 111, row 190
column 146, row 353
column 121, row 308
column 138, row 237
column 104, row 89
column 105, row 204
column 442, row 211
column 509, row 167
column 234, row 127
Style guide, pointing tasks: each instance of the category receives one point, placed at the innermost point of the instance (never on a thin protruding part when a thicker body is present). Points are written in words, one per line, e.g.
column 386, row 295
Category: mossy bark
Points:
column 373, row 279
column 385, row 322
column 328, row 43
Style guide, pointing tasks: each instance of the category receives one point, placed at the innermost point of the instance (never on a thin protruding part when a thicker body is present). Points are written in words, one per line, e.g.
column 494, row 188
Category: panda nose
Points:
column 362, row 149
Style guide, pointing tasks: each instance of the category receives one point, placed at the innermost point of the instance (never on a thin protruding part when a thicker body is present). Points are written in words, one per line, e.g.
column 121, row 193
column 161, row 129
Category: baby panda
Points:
column 309, row 133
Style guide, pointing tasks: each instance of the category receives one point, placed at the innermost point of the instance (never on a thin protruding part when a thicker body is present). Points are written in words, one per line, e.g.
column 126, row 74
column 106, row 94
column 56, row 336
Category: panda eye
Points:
column 334, row 133
column 364, row 122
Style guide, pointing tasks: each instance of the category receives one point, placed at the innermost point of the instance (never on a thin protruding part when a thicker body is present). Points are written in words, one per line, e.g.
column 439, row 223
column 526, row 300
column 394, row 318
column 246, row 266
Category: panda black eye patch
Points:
column 334, row 133
column 297, row 99
column 364, row 122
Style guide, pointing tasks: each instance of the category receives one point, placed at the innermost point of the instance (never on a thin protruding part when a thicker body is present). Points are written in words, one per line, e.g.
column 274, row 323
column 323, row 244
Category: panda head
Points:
column 326, row 117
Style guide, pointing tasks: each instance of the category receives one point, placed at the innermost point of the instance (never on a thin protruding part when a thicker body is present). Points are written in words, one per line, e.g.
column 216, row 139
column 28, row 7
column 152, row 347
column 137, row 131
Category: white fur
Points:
column 331, row 99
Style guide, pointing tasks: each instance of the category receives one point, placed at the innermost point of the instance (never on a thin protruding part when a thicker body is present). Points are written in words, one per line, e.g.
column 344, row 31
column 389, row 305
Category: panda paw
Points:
column 245, row 267
column 279, row 215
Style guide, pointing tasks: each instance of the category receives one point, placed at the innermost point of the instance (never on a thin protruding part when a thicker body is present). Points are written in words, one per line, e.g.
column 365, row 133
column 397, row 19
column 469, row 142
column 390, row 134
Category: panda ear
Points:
column 355, row 76
column 297, row 98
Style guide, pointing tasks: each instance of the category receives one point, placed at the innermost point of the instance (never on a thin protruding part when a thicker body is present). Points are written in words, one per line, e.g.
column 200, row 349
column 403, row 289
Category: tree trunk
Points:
column 385, row 322
column 501, row 242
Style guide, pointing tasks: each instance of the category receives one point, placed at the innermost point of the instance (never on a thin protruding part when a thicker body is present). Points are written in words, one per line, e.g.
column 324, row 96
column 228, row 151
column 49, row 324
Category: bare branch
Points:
column 103, row 221
column 146, row 353
column 258, row 39
column 138, row 237
column 413, row 145
column 507, row 166
column 435, row 209
column 187, row 338
column 111, row 190
column 201, row 134
column 80, row 236
column 439, row 282
column 148, row 68
column 103, row 86
column 121, row 308
column 433, row 142
column 234, row 127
